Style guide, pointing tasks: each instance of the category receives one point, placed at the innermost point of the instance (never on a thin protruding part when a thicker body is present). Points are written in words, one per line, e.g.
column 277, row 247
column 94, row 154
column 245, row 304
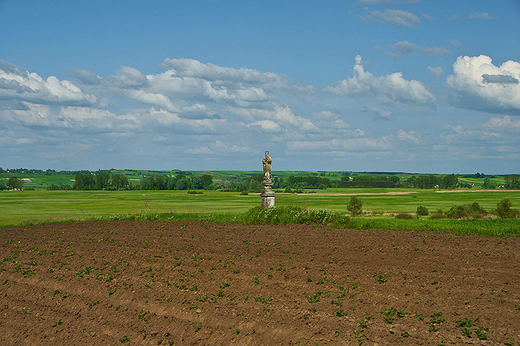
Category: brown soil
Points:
column 179, row 283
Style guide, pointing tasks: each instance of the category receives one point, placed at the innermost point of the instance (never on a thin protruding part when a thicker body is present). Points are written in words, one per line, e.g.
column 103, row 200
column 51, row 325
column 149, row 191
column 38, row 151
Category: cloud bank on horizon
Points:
column 412, row 106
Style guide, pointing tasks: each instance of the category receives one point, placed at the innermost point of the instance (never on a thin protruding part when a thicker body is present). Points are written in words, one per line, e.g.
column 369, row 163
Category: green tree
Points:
column 84, row 182
column 120, row 181
column 355, row 206
column 2, row 185
column 102, row 181
column 196, row 182
column 426, row 181
column 449, row 181
column 504, row 209
column 488, row 184
column 181, row 183
column 512, row 182
column 207, row 181
column 15, row 183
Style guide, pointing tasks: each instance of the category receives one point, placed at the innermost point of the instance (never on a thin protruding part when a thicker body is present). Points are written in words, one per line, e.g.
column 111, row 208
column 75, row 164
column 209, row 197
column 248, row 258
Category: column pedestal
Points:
column 267, row 197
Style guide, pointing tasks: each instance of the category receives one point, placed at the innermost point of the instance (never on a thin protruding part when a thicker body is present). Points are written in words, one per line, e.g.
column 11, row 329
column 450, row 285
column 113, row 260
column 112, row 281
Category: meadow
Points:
column 380, row 205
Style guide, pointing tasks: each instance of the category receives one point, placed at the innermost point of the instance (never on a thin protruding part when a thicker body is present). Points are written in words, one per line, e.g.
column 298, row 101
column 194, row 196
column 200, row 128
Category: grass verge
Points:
column 298, row 215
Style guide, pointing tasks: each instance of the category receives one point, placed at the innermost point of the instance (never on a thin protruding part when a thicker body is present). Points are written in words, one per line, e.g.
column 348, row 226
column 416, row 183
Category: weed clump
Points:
column 465, row 211
column 404, row 216
column 293, row 215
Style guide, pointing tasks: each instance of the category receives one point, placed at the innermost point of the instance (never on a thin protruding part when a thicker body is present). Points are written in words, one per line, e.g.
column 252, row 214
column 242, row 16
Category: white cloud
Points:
column 128, row 77
column 409, row 137
column 380, row 113
column 325, row 115
column 282, row 116
column 436, row 71
column 267, row 126
column 478, row 84
column 189, row 80
column 342, row 144
column 387, row 88
column 482, row 15
column 18, row 84
column 397, row 17
column 407, row 48
column 218, row 148
column 196, row 69
column 504, row 122
column 427, row 16
column 153, row 99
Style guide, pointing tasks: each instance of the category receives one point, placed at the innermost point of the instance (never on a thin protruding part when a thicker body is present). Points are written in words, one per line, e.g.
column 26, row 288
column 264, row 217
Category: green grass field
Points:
column 36, row 206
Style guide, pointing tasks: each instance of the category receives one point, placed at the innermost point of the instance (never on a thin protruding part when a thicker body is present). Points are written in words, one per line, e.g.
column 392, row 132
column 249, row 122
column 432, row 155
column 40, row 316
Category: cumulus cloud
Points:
column 189, row 80
column 396, row 17
column 407, row 48
column 128, row 78
column 387, row 88
column 274, row 119
column 211, row 72
column 504, row 122
column 479, row 84
column 267, row 126
column 71, row 117
column 436, row 71
column 410, row 137
column 19, row 84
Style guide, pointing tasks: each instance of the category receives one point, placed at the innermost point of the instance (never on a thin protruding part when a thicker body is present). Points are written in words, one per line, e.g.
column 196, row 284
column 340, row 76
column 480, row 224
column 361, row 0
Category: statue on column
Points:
column 268, row 194
column 267, row 168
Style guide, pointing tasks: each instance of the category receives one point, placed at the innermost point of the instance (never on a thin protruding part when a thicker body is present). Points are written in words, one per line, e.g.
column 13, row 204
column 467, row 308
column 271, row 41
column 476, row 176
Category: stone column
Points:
column 268, row 194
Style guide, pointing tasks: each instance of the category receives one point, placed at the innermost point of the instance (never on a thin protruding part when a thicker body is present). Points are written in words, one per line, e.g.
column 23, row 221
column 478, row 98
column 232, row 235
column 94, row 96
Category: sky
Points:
column 416, row 86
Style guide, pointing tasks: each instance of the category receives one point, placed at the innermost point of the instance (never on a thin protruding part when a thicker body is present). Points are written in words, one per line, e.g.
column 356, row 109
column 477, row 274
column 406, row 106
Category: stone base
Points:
column 267, row 197
column 267, row 202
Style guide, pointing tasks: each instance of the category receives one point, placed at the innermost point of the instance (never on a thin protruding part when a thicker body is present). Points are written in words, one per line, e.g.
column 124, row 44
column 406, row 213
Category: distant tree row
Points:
column 431, row 181
column 380, row 181
column 102, row 181
column 178, row 182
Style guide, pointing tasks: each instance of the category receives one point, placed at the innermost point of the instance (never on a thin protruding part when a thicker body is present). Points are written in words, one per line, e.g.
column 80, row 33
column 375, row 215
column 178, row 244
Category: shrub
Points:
column 293, row 215
column 355, row 206
column 504, row 209
column 467, row 211
column 422, row 210
column 404, row 216
column 456, row 212
column 476, row 210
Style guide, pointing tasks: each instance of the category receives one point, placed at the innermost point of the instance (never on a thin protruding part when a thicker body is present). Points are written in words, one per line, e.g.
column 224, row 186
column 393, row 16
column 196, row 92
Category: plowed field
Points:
column 179, row 283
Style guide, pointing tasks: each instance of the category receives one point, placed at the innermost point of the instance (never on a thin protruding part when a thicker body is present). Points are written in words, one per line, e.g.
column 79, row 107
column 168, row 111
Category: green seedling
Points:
column 314, row 298
column 481, row 333
column 340, row 313
column 57, row 323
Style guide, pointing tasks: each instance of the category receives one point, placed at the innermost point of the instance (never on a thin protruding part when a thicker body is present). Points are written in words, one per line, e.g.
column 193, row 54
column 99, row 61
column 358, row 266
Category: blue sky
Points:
column 367, row 85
